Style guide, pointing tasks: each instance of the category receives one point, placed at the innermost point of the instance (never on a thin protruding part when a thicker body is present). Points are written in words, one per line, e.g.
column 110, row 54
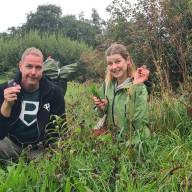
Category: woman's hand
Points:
column 141, row 75
column 100, row 103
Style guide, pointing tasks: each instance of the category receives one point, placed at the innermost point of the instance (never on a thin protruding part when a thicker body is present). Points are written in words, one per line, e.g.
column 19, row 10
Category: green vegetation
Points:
column 158, row 34
column 4, row 78
column 59, row 47
column 93, row 90
column 81, row 162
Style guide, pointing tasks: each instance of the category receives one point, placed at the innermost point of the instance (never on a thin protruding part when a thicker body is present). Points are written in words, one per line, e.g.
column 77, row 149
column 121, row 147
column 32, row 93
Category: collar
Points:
column 123, row 85
column 44, row 84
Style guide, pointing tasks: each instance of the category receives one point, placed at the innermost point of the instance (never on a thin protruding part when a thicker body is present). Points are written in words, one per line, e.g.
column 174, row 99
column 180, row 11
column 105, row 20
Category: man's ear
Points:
column 20, row 65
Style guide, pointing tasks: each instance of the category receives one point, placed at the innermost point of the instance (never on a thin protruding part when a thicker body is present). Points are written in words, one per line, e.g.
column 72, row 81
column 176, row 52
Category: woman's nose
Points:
column 113, row 66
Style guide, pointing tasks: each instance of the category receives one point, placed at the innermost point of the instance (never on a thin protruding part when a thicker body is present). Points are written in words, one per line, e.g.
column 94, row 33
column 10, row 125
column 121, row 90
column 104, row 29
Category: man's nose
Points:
column 33, row 70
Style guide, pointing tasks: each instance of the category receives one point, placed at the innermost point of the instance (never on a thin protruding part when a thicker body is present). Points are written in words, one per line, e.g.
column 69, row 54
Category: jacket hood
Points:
column 45, row 85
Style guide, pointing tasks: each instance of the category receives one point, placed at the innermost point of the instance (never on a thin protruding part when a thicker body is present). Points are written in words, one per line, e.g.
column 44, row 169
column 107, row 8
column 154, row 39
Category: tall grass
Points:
column 83, row 163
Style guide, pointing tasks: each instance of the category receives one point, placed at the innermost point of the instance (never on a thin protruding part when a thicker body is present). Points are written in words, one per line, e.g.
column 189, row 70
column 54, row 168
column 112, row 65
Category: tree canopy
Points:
column 156, row 32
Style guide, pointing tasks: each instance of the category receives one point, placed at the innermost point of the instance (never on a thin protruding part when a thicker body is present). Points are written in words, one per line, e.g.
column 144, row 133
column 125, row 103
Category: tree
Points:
column 45, row 19
column 157, row 33
column 118, row 24
column 96, row 20
column 81, row 30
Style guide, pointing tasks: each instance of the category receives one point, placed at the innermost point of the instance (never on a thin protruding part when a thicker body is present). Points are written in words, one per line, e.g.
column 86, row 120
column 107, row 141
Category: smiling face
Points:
column 31, row 69
column 118, row 67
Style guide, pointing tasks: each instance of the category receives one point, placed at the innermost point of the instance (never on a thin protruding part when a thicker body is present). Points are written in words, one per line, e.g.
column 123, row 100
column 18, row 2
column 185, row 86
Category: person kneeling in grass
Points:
column 26, row 104
column 123, row 97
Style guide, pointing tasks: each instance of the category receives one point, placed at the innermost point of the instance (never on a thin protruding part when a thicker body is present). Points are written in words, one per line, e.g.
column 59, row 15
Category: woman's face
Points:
column 117, row 66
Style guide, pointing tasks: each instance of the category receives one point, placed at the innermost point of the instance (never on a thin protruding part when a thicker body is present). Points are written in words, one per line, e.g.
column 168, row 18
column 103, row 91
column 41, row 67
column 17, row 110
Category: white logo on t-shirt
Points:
column 32, row 113
column 47, row 106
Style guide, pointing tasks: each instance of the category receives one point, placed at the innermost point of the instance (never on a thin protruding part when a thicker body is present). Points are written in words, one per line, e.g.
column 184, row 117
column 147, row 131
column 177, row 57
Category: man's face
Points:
column 31, row 69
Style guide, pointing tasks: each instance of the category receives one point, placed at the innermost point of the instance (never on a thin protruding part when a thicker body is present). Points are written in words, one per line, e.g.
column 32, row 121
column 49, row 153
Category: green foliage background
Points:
column 158, row 34
column 59, row 47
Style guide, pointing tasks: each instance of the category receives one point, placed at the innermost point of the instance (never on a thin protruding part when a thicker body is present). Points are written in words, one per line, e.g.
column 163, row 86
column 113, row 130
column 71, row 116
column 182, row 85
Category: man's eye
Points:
column 39, row 68
column 29, row 66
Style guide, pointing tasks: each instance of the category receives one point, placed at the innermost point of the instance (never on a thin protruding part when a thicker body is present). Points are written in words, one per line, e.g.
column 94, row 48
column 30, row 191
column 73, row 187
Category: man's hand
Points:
column 141, row 75
column 100, row 103
column 10, row 96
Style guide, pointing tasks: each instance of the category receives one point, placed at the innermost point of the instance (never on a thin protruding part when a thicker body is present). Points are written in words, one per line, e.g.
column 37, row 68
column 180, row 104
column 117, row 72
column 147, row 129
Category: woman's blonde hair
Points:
column 120, row 49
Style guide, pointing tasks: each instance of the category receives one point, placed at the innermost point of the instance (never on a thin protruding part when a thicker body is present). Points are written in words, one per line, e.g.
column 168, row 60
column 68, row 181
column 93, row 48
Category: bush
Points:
column 56, row 45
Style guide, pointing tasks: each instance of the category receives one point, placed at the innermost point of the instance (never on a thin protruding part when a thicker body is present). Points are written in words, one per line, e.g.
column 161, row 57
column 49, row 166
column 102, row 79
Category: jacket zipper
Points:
column 113, row 103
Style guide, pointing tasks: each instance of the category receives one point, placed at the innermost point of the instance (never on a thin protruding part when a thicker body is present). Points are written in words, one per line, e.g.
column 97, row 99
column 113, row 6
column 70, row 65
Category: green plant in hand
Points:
column 93, row 90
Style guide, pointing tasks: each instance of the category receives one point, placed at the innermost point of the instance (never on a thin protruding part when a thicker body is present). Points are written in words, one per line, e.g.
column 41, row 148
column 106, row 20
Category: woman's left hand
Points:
column 141, row 75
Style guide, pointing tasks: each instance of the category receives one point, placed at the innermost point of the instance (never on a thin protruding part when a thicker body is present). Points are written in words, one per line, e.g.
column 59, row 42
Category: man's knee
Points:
column 8, row 150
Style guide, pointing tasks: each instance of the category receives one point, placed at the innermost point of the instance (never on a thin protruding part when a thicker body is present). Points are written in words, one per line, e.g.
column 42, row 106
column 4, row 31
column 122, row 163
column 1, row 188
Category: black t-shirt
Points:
column 26, row 129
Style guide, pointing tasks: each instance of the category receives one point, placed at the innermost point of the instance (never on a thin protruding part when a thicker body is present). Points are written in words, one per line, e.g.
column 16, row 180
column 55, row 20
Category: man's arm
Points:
column 5, row 111
column 10, row 96
column 58, row 102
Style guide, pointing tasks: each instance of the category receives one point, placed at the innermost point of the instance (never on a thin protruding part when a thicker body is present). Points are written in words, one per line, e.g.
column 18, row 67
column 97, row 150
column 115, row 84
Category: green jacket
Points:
column 127, row 114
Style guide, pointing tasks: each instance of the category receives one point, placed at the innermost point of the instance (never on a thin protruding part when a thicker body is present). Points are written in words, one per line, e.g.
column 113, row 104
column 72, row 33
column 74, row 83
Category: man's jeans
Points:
column 10, row 151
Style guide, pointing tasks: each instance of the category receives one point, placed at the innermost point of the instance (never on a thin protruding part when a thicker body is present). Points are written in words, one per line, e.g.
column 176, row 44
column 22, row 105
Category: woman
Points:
column 124, row 96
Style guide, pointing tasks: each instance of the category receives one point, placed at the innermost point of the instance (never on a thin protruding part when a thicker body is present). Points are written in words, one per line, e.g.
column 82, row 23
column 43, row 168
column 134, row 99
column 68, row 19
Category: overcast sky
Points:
column 13, row 12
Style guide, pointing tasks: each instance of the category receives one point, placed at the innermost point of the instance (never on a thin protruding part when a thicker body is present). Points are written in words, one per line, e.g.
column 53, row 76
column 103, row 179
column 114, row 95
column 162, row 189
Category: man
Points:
column 26, row 104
